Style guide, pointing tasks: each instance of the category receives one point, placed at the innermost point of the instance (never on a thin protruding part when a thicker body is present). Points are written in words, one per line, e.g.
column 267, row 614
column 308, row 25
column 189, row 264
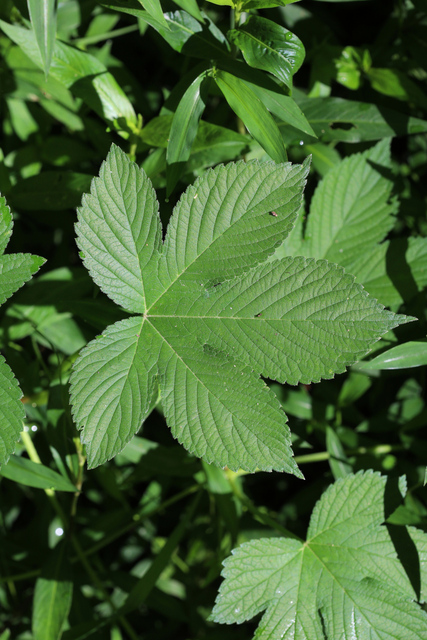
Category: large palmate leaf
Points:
column 15, row 270
column 345, row 581
column 214, row 313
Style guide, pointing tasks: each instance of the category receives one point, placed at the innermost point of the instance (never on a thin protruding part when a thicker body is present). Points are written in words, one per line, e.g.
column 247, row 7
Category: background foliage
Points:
column 137, row 551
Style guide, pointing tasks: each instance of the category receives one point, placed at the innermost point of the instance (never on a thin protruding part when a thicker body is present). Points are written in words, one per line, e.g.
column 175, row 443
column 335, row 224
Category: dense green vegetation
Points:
column 233, row 195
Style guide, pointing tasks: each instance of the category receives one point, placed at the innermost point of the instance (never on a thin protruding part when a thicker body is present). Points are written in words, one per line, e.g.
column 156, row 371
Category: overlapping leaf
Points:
column 350, row 215
column 15, row 270
column 214, row 313
column 345, row 581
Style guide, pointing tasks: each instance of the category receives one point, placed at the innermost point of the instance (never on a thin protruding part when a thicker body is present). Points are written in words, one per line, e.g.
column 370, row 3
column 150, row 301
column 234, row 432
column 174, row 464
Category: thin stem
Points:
column 378, row 450
column 82, row 42
column 34, row 456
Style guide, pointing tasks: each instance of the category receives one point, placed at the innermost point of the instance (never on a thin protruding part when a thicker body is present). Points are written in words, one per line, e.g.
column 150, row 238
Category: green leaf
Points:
column 6, row 224
column 350, row 210
column 184, row 33
column 271, row 95
column 345, row 581
column 80, row 72
column 266, row 4
column 268, row 46
column 50, row 191
column 191, row 7
column 215, row 315
column 396, row 84
column 52, row 596
column 119, row 231
column 223, row 3
column 15, row 270
column 253, row 113
column 36, row 475
column 154, row 8
column 394, row 271
column 184, row 129
column 112, row 387
column 43, row 20
column 404, row 356
column 338, row 462
column 351, row 121
column 12, row 413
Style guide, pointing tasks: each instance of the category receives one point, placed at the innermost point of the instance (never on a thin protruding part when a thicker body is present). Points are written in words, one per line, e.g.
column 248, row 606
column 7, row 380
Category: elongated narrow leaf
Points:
column 253, row 113
column 215, row 314
column 271, row 95
column 345, row 581
column 351, row 121
column 268, row 46
column 191, row 7
column 266, row 4
column 183, row 30
column 404, row 356
column 80, row 72
column 184, row 129
column 154, row 8
column 43, row 20
column 35, row 475
column 337, row 459
column 52, row 596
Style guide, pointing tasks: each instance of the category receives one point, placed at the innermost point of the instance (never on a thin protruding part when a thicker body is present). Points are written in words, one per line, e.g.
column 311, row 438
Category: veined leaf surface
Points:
column 214, row 314
column 15, row 270
column 345, row 581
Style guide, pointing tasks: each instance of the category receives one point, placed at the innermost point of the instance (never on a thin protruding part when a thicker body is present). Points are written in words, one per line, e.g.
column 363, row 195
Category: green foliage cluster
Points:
column 228, row 200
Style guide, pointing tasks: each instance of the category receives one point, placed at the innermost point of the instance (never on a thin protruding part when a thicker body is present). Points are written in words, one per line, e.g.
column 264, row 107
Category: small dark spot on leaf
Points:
column 273, row 213
column 345, row 126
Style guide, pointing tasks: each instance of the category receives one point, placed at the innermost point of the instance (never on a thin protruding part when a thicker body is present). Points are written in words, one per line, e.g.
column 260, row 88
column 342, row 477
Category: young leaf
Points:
column 43, row 20
column 253, row 113
column 269, row 46
column 345, row 581
column 15, row 270
column 214, row 316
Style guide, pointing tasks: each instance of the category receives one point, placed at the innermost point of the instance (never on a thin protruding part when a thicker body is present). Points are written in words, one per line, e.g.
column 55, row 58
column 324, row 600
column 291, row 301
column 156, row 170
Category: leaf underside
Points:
column 214, row 315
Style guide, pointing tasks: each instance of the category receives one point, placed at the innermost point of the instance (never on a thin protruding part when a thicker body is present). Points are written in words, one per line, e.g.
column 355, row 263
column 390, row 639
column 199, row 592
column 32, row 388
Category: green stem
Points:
column 83, row 42
column 378, row 450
